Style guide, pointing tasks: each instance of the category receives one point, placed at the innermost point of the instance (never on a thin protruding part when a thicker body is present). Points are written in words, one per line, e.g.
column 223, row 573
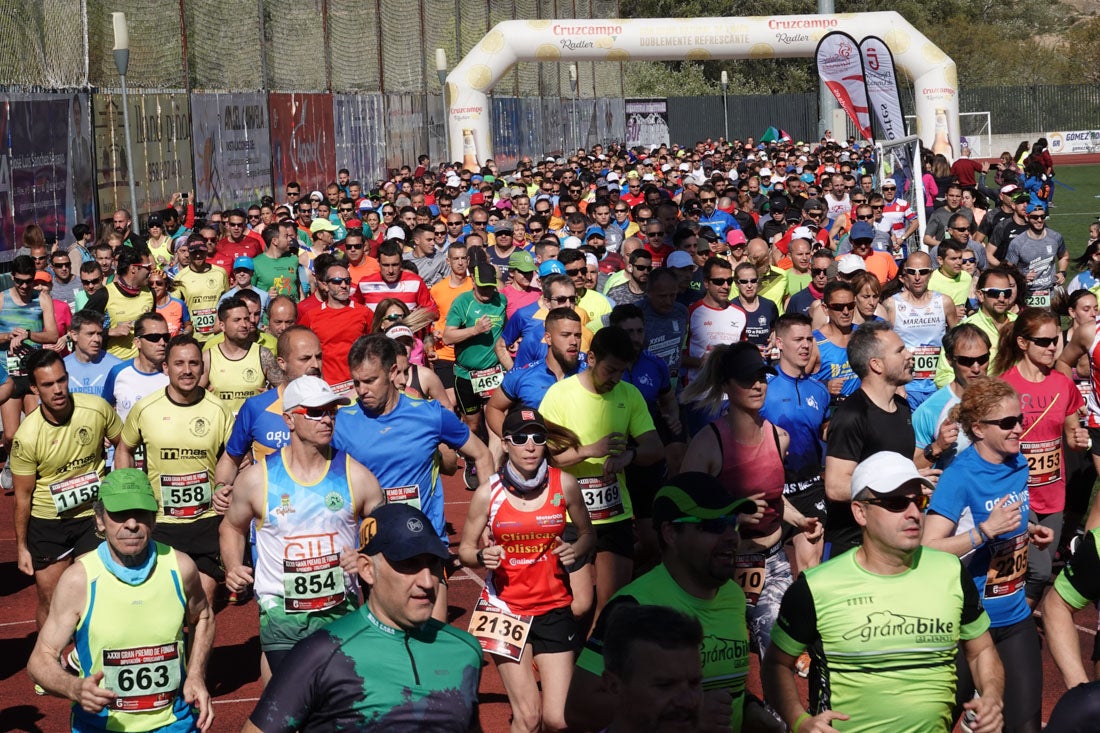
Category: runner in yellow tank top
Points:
column 126, row 605
column 237, row 368
column 201, row 286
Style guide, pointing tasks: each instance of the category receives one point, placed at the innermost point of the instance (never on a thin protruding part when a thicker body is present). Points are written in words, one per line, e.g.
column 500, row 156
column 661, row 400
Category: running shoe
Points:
column 5, row 478
column 469, row 475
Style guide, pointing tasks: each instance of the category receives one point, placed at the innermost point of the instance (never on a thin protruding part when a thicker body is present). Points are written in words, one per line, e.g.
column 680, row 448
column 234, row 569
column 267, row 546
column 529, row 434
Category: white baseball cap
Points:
column 802, row 233
column 395, row 232
column 571, row 243
column 886, row 472
column 310, row 391
column 849, row 264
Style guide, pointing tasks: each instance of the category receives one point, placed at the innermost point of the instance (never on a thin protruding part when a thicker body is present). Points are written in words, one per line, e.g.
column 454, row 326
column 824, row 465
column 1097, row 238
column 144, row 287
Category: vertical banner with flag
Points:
column 839, row 66
column 883, row 94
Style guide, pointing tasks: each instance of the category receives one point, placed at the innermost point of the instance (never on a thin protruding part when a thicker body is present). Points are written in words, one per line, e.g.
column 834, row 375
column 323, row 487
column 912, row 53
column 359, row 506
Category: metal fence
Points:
column 697, row 118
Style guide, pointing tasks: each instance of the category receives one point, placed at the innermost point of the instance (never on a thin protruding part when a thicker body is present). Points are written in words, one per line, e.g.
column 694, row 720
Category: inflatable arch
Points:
column 933, row 74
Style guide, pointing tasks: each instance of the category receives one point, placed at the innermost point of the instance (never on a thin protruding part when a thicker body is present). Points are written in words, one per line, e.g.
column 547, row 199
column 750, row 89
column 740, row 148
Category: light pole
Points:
column 725, row 107
column 122, row 61
column 441, row 71
column 573, row 89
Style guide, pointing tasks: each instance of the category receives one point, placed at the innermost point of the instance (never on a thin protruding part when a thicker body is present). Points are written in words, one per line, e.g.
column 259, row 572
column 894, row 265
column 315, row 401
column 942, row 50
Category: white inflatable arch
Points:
column 933, row 74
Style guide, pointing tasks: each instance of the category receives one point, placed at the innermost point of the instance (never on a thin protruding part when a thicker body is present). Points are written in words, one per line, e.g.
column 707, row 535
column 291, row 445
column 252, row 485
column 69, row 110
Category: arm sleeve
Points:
column 796, row 627
column 1079, row 581
column 975, row 621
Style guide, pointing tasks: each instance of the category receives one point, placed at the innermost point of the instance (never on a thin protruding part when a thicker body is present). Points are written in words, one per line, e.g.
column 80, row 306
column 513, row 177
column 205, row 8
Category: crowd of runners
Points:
column 709, row 402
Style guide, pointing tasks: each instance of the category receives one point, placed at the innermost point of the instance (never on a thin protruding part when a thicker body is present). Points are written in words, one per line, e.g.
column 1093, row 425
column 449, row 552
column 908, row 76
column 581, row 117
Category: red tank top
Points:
column 753, row 469
column 530, row 580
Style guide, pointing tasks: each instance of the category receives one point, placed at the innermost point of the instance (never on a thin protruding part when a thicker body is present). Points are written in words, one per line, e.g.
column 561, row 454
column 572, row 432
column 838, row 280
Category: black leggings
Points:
column 1018, row 647
column 1077, row 711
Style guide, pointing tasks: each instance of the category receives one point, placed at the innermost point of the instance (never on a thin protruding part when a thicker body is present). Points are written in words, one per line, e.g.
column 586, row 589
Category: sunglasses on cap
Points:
column 969, row 361
column 898, row 504
column 713, row 525
column 1005, row 423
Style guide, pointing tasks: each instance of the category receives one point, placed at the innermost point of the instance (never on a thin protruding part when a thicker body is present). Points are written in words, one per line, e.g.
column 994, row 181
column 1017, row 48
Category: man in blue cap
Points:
column 389, row 665
column 244, row 269
column 135, row 672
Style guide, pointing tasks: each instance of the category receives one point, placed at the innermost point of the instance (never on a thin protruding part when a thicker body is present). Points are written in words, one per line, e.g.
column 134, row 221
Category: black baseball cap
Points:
column 699, row 495
column 399, row 532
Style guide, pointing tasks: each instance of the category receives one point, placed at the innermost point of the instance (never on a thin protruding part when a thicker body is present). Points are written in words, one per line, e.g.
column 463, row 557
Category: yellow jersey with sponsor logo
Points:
column 201, row 291
column 182, row 446
column 67, row 460
column 122, row 308
column 235, row 380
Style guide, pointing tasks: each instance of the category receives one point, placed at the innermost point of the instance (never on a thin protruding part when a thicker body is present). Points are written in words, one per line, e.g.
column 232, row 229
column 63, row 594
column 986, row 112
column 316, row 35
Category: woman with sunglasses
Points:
column 1051, row 403
column 829, row 364
column 745, row 452
column 160, row 244
column 979, row 511
column 522, row 512
column 173, row 310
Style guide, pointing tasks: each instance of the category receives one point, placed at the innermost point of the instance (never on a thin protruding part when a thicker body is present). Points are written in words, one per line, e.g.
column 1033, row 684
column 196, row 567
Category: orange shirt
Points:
column 881, row 265
column 444, row 294
column 367, row 267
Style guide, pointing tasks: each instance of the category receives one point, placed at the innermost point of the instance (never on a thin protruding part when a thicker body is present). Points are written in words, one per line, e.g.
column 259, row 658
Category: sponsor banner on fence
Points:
column 883, row 94
column 360, row 123
column 45, row 166
column 1075, row 141
column 232, row 142
column 646, row 122
column 301, row 141
column 160, row 129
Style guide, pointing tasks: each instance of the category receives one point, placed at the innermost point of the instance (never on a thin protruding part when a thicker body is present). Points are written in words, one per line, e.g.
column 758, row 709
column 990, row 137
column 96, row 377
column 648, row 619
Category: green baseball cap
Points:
column 126, row 489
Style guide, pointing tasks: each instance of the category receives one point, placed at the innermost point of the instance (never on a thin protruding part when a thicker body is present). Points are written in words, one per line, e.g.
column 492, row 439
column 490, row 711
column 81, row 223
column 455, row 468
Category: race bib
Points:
column 144, row 678
column 1044, row 461
column 1007, row 567
column 185, row 495
column 925, row 359
column 602, row 497
column 749, row 574
column 14, row 365
column 485, row 381
column 74, row 492
column 312, row 584
column 500, row 632
column 403, row 495
column 1039, row 299
column 204, row 319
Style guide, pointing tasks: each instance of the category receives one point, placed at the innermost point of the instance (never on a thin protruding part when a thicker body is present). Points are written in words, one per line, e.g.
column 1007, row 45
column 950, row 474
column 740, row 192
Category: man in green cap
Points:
column 126, row 604
column 696, row 521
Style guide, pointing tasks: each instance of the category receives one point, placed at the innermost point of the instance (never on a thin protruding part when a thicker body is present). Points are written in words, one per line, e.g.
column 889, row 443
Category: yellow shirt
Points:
column 125, row 309
column 944, row 372
column 591, row 417
column 235, row 380
column 201, row 291
column 67, row 461
column 263, row 338
column 182, row 445
column 957, row 288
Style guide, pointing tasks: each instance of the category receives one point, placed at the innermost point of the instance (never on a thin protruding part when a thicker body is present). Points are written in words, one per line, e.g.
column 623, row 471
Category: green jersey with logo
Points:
column 725, row 651
column 885, row 644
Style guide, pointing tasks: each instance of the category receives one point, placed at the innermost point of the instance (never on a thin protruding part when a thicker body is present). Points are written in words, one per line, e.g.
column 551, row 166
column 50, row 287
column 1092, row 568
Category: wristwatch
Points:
column 929, row 455
column 481, row 558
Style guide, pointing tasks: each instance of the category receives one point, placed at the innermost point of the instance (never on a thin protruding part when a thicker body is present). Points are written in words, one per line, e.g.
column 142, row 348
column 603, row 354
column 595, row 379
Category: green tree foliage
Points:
column 993, row 42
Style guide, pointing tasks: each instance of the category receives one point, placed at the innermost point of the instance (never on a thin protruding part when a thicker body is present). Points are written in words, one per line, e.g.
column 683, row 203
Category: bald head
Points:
column 629, row 245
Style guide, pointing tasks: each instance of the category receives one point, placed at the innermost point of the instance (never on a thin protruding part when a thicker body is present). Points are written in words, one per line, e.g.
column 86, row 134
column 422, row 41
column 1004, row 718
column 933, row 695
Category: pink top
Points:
column 753, row 469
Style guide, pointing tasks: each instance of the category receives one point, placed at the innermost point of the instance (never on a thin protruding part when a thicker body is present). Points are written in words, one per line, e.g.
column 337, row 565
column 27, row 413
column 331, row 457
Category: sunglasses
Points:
column 918, row 271
column 898, row 504
column 564, row 299
column 315, row 413
column 256, row 217
column 1005, row 423
column 721, row 281
column 339, row 281
column 342, row 210
column 353, row 246
column 713, row 525
column 969, row 361
column 969, row 260
column 815, row 271
column 23, row 282
column 997, row 292
column 960, row 229
column 393, row 317
column 889, row 188
column 155, row 337
column 157, row 283
column 866, row 217
column 642, row 268
column 574, row 273
column 525, row 438
column 1037, row 217
column 838, row 307
column 58, row 265
column 1043, row 342
column 707, row 198
column 748, row 281
column 96, row 281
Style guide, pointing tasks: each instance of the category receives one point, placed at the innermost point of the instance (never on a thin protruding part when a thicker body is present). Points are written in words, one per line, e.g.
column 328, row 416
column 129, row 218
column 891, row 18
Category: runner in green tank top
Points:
column 883, row 623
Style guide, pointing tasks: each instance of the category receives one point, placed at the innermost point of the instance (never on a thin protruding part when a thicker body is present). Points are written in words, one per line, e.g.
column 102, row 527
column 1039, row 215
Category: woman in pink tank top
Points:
column 745, row 452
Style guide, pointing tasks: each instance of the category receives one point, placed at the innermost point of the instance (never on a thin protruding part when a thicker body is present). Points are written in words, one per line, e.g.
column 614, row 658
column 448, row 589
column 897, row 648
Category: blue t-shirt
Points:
column 399, row 448
column 798, row 405
column 800, row 302
column 965, row 494
column 650, row 375
column 925, row 417
column 90, row 378
column 834, row 365
column 720, row 222
column 259, row 420
column 528, row 384
column 523, row 324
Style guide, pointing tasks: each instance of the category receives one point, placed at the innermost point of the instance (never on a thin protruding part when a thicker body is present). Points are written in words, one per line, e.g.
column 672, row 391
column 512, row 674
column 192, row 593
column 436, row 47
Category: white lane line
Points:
column 239, row 699
column 1091, row 632
column 473, row 576
column 17, row 623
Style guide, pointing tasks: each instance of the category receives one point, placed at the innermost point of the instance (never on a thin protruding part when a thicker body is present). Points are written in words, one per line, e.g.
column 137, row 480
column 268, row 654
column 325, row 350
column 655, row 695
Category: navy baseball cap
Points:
column 399, row 532
column 861, row 230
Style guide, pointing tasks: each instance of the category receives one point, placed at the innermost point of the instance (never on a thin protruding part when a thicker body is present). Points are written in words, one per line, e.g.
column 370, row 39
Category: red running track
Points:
column 233, row 675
